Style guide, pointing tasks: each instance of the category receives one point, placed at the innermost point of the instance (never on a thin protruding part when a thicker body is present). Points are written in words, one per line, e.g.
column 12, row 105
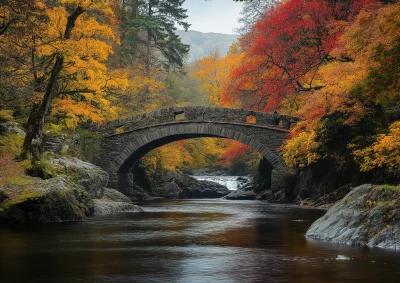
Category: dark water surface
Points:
column 189, row 241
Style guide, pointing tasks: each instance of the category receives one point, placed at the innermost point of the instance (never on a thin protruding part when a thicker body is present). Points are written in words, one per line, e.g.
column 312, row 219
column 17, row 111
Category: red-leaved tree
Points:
column 285, row 49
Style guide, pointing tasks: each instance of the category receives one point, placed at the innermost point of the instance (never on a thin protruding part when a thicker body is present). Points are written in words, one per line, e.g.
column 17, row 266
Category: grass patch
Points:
column 6, row 115
column 389, row 187
column 13, row 179
column 22, row 198
column 11, row 144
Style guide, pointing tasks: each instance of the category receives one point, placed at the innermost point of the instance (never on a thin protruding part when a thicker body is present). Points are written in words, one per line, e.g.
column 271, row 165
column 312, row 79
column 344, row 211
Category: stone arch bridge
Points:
column 127, row 140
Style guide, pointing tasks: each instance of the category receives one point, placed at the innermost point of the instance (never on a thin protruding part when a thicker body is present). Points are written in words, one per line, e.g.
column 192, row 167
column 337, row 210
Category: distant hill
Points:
column 200, row 43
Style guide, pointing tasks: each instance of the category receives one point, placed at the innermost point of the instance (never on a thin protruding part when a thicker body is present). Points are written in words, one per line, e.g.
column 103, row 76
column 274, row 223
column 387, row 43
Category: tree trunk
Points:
column 380, row 112
column 148, row 53
column 32, row 147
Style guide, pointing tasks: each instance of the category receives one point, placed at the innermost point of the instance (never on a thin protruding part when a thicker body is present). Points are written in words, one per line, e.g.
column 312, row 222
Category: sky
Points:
column 218, row 16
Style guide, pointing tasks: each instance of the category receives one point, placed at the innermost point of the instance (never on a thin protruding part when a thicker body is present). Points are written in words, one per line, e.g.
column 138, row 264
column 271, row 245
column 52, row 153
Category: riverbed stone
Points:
column 91, row 177
column 181, row 186
column 369, row 215
column 170, row 191
column 53, row 200
column 241, row 195
column 114, row 202
column 205, row 189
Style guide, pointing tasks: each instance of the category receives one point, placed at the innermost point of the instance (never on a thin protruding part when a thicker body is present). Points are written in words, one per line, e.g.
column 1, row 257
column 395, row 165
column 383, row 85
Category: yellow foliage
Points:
column 213, row 72
column 140, row 93
column 385, row 152
column 6, row 115
column 74, row 112
column 301, row 150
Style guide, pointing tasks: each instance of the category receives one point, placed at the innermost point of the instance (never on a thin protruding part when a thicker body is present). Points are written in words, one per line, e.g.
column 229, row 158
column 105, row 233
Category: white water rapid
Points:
column 231, row 182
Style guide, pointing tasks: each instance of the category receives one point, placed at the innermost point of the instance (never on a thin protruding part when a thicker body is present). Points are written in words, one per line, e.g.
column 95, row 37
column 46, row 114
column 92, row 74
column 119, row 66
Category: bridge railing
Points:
column 197, row 114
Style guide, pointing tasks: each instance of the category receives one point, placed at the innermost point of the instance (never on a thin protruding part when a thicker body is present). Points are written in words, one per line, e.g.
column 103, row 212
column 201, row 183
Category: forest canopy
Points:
column 67, row 64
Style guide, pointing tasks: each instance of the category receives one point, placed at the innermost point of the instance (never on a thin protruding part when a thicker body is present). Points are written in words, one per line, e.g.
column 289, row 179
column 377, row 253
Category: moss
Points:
column 22, row 198
column 389, row 187
column 44, row 168
column 55, row 206
column 6, row 115
column 53, row 130
column 11, row 144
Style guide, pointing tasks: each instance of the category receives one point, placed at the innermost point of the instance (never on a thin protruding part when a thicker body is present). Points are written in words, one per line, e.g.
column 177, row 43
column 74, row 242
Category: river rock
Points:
column 113, row 202
column 170, row 191
column 115, row 195
column 91, row 177
column 54, row 200
column 368, row 215
column 251, row 191
column 137, row 193
column 177, row 186
column 241, row 194
column 12, row 128
column 205, row 189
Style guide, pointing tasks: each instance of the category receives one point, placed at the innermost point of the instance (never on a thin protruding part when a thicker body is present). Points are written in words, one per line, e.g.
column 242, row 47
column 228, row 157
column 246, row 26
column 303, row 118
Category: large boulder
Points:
column 137, row 193
column 205, row 189
column 179, row 186
column 241, row 194
column 252, row 191
column 368, row 215
column 54, row 200
column 12, row 128
column 170, row 190
column 92, row 178
column 113, row 202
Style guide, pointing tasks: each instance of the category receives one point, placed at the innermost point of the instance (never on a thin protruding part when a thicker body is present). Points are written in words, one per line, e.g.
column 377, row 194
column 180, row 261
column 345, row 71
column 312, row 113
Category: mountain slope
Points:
column 200, row 43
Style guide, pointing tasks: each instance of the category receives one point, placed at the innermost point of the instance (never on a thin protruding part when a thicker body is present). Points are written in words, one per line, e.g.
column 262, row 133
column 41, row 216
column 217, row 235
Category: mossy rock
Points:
column 368, row 215
column 55, row 201
column 92, row 178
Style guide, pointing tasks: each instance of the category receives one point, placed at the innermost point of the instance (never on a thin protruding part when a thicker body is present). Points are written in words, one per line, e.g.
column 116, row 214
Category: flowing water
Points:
column 231, row 182
column 189, row 241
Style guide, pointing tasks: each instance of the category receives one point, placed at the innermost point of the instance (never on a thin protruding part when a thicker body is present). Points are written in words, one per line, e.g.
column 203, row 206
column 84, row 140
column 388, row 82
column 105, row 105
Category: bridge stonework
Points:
column 127, row 140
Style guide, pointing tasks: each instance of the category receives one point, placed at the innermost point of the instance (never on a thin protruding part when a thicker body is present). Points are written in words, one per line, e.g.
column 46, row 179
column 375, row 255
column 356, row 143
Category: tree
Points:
column 284, row 51
column 355, row 116
column 148, row 32
column 64, row 51
column 212, row 71
column 251, row 13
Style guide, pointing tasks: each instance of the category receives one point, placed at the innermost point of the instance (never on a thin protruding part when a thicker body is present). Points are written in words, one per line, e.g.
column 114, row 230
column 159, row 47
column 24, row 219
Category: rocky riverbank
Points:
column 77, row 191
column 173, row 185
column 369, row 215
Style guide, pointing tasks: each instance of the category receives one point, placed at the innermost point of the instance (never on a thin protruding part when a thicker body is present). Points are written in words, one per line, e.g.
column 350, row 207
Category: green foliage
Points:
column 53, row 130
column 150, row 26
column 6, row 115
column 389, row 187
column 11, row 144
column 43, row 167
column 21, row 198
column 337, row 138
column 89, row 145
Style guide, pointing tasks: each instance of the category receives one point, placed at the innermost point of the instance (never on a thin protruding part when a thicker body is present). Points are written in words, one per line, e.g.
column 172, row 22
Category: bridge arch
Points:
column 126, row 141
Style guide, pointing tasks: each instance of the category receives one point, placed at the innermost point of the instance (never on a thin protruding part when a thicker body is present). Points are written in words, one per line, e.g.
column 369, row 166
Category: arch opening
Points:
column 135, row 173
column 267, row 166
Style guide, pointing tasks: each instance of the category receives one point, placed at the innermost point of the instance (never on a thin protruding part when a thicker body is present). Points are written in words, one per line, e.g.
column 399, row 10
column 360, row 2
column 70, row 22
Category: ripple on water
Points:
column 189, row 241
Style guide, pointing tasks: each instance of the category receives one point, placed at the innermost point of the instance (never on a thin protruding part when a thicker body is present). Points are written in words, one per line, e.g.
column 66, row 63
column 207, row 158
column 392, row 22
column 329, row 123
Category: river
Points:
column 189, row 241
column 231, row 182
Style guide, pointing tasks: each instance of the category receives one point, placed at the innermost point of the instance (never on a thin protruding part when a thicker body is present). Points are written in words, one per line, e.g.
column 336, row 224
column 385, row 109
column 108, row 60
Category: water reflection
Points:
column 189, row 241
